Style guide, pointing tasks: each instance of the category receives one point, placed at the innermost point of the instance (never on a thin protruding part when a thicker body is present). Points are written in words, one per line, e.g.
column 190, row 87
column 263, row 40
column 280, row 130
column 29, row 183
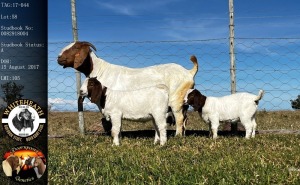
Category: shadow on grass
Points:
column 228, row 130
column 171, row 133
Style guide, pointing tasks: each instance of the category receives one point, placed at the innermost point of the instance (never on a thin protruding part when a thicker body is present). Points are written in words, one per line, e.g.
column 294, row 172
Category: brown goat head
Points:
column 36, row 162
column 196, row 100
column 94, row 89
column 76, row 55
column 11, row 164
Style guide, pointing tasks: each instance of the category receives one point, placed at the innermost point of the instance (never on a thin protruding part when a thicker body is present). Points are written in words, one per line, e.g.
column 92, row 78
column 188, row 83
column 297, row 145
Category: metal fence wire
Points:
column 271, row 64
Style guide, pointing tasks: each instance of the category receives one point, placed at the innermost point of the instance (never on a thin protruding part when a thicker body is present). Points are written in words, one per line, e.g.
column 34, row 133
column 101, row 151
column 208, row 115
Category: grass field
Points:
column 66, row 123
column 193, row 159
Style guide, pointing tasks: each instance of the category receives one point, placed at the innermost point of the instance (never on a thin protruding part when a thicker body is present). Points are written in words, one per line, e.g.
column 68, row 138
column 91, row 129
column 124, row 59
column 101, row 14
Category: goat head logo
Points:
column 23, row 120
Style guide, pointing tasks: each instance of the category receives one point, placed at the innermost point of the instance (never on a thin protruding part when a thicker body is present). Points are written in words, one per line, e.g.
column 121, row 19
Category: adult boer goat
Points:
column 178, row 80
column 143, row 104
column 235, row 107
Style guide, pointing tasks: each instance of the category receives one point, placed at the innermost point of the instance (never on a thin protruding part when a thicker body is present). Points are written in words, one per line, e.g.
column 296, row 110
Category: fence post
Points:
column 231, row 40
column 78, row 77
column 232, row 56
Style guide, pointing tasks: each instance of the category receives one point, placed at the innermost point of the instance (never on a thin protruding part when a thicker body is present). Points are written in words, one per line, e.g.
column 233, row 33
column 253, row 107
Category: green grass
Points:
column 267, row 159
column 194, row 159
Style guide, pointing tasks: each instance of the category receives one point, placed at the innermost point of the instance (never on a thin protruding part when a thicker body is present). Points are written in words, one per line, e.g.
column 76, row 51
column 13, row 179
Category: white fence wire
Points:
column 271, row 64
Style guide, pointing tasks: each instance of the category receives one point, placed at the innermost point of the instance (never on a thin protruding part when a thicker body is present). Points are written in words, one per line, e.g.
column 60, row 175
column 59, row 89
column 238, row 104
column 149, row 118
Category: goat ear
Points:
column 13, row 161
column 7, row 168
column 200, row 102
column 81, row 56
column 96, row 93
column 191, row 99
column 197, row 103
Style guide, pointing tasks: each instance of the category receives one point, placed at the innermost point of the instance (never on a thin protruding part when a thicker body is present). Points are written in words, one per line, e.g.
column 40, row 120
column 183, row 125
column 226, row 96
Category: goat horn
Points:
column 91, row 45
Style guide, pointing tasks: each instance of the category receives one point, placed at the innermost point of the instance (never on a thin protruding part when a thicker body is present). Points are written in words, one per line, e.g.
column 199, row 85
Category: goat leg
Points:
column 80, row 103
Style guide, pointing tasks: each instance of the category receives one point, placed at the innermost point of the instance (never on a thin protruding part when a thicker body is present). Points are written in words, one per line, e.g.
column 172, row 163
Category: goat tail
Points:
column 194, row 70
column 259, row 96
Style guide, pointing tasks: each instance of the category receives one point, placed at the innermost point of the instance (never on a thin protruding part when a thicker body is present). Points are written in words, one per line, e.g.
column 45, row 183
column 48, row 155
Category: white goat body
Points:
column 236, row 107
column 143, row 104
column 177, row 79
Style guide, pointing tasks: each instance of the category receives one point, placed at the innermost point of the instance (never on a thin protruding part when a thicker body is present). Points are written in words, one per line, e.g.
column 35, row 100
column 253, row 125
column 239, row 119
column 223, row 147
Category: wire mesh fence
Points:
column 271, row 64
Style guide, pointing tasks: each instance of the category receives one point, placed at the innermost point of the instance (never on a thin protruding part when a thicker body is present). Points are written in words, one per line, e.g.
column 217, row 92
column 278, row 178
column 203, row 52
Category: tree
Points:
column 296, row 103
column 11, row 91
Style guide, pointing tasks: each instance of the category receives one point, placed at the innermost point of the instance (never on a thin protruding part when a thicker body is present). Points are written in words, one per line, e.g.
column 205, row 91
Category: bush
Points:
column 296, row 103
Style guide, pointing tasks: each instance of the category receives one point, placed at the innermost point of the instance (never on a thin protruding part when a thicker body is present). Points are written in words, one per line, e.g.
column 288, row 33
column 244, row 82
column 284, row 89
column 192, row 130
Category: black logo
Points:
column 23, row 120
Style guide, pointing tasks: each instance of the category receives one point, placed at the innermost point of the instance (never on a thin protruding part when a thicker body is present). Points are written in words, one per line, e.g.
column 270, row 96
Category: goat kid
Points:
column 79, row 55
column 236, row 107
column 143, row 104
